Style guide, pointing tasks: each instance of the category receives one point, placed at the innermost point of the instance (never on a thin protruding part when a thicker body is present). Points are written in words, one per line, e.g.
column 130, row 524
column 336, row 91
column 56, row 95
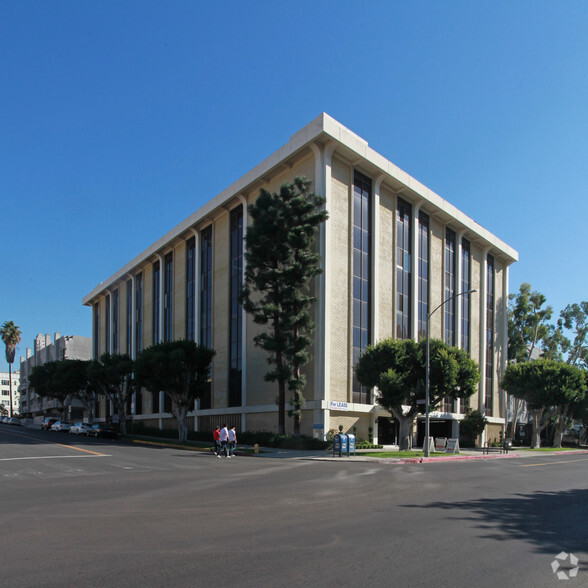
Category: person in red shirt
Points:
column 216, row 437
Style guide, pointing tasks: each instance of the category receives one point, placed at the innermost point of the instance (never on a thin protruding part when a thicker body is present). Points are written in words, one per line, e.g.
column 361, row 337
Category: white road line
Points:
column 55, row 457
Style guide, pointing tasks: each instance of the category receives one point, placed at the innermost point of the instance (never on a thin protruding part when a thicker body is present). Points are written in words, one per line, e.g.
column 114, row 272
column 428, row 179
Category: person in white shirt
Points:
column 232, row 441
column 224, row 438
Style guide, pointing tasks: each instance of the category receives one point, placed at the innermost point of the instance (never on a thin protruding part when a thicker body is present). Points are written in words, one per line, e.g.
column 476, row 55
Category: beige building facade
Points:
column 392, row 251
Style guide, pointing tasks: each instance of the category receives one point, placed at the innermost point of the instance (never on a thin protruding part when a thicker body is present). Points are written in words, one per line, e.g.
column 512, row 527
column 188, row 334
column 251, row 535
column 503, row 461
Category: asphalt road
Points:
column 88, row 512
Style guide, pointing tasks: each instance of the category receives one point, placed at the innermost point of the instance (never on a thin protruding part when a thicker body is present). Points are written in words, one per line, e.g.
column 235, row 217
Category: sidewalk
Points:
column 466, row 454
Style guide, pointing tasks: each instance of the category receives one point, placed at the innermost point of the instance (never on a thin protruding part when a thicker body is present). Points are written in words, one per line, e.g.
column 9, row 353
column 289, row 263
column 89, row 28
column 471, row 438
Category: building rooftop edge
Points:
column 321, row 126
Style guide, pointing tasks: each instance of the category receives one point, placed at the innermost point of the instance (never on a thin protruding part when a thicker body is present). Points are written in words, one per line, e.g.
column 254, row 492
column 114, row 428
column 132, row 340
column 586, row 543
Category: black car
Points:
column 46, row 424
column 103, row 430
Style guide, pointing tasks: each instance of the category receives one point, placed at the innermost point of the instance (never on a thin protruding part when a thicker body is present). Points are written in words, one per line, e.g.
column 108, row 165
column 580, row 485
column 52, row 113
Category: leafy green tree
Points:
column 72, row 378
column 112, row 376
column 46, row 383
column 527, row 330
column 572, row 349
column 398, row 369
column 472, row 425
column 547, row 387
column 180, row 369
column 281, row 261
column 11, row 337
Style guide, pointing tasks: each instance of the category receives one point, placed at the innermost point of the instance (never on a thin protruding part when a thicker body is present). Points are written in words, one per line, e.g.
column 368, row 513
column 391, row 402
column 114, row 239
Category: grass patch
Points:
column 402, row 454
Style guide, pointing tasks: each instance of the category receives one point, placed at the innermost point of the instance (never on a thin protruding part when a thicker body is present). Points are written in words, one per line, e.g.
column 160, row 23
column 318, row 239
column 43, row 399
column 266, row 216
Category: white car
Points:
column 60, row 426
column 80, row 429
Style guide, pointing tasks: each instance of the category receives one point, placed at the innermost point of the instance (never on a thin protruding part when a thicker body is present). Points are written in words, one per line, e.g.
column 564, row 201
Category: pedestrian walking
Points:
column 224, row 439
column 232, row 441
column 216, row 437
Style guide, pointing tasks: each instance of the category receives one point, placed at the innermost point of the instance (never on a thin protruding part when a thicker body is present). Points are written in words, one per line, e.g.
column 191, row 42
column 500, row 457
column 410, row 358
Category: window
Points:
column 115, row 321
column 168, row 297
column 362, row 197
column 107, row 322
column 489, row 368
column 236, row 310
column 130, row 318
column 403, row 269
column 191, row 289
column 138, row 313
column 206, row 303
column 423, row 269
column 156, row 301
column 466, row 285
column 449, row 290
column 96, row 330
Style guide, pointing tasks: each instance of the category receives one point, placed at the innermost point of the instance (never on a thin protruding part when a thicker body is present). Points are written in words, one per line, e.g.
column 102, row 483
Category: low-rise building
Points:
column 46, row 350
column 6, row 389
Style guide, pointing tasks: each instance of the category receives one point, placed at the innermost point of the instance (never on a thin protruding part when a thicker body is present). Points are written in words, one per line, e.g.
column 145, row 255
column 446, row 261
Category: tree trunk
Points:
column 512, row 426
column 562, row 421
column 281, row 395
column 181, row 411
column 537, row 428
column 10, row 386
column 405, row 430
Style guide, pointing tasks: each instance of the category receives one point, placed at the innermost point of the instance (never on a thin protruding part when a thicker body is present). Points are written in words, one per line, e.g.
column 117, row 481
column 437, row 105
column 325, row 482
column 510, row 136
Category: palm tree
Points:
column 10, row 334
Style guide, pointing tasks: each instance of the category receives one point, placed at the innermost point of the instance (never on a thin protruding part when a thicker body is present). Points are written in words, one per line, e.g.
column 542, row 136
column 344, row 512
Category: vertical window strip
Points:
column 191, row 289
column 423, row 274
column 168, row 298
column 466, row 285
column 206, row 304
column 129, row 317
column 96, row 330
column 107, row 322
column 362, row 222
column 115, row 321
column 156, row 305
column 450, row 290
column 403, row 269
column 489, row 371
column 139, row 313
column 236, row 310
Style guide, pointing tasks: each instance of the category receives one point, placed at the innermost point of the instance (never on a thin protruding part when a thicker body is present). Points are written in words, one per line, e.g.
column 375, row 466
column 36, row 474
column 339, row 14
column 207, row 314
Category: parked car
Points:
column 571, row 437
column 61, row 426
column 4, row 420
column 14, row 421
column 46, row 424
column 104, row 430
column 80, row 428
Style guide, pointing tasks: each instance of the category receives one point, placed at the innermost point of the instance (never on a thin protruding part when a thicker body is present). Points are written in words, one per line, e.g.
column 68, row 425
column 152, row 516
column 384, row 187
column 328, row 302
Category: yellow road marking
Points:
column 534, row 465
column 80, row 449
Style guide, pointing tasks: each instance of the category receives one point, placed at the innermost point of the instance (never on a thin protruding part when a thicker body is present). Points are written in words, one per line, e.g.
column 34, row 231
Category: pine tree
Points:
column 281, row 261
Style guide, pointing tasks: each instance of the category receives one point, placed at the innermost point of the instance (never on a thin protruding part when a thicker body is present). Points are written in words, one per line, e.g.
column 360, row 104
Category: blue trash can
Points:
column 340, row 445
column 350, row 445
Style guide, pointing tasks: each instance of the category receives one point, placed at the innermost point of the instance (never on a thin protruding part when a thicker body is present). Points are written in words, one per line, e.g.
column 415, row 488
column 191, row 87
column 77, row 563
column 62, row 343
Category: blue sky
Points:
column 119, row 119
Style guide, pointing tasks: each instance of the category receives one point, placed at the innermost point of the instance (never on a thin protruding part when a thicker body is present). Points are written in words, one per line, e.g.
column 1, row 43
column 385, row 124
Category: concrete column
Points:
column 323, row 163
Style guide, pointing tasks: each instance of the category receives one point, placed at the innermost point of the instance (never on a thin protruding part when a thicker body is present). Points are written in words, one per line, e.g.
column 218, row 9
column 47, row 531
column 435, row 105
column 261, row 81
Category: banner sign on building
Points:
column 333, row 405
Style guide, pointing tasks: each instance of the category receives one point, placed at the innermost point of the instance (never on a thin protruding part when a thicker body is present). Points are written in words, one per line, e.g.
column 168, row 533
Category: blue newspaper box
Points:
column 350, row 444
column 340, row 445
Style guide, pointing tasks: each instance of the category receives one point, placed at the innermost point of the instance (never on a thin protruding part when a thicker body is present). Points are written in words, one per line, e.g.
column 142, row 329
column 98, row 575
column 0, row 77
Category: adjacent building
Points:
column 46, row 350
column 392, row 250
column 5, row 388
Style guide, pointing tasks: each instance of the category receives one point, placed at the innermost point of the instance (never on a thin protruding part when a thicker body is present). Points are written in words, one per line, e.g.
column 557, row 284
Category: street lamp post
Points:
column 427, row 383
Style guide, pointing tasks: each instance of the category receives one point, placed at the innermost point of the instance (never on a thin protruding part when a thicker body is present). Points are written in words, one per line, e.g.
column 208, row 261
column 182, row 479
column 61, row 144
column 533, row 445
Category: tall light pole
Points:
column 427, row 383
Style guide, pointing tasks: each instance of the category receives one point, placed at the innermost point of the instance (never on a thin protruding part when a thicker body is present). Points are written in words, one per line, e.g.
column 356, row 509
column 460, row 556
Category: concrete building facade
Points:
column 392, row 250
column 46, row 350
